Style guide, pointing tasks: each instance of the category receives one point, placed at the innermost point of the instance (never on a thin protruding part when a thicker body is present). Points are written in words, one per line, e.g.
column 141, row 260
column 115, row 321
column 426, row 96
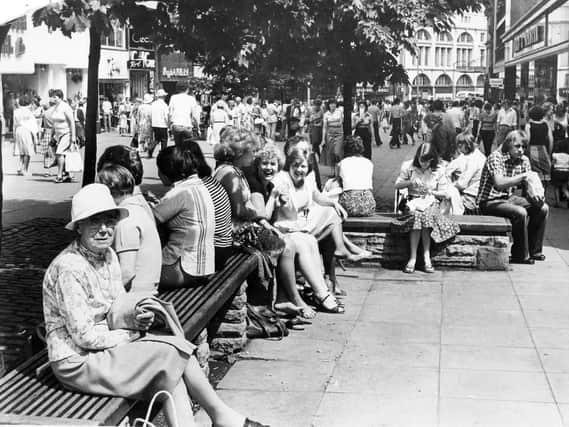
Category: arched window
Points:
column 464, row 81
column 444, row 37
column 465, row 38
column 423, row 35
column 480, row 81
column 443, row 81
column 421, row 80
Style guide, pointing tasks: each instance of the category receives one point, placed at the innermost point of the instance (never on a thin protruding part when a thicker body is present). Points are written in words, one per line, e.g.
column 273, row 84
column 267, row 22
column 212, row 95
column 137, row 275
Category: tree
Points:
column 347, row 41
column 97, row 16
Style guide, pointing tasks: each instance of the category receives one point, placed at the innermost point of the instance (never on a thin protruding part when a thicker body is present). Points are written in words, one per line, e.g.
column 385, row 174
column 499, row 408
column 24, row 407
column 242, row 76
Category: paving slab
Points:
column 509, row 335
column 489, row 413
column 490, row 358
column 371, row 410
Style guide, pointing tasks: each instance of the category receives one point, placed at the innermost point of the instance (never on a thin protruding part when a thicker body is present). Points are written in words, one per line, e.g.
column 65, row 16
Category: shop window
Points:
column 558, row 25
column 480, row 81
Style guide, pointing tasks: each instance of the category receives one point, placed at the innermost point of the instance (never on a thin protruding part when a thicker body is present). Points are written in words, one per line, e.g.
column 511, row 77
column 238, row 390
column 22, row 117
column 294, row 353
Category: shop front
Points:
column 113, row 75
column 537, row 59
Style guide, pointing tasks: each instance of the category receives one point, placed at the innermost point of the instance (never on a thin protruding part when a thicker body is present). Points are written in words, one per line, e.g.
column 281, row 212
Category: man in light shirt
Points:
column 184, row 115
column 107, row 108
column 507, row 121
column 456, row 116
column 160, row 117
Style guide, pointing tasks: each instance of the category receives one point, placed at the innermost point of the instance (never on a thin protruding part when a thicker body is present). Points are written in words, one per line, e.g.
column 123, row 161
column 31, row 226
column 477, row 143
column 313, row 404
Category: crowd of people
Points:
column 472, row 158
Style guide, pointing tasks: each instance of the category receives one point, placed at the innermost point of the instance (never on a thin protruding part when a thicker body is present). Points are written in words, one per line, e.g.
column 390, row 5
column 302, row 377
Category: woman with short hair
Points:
column 540, row 143
column 63, row 131
column 468, row 179
column 187, row 211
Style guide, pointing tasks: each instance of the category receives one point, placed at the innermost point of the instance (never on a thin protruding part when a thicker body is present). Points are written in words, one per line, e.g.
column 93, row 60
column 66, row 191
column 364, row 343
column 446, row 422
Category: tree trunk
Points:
column 89, row 168
column 3, row 32
column 348, row 93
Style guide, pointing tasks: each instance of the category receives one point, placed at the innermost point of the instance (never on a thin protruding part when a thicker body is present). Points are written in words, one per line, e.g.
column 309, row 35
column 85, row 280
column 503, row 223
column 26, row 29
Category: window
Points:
column 115, row 38
column 7, row 48
column 423, row 35
column 422, row 56
column 482, row 57
column 480, row 81
column 421, row 80
column 482, row 37
column 464, row 81
column 443, row 80
column 465, row 19
column 465, row 38
column 444, row 37
column 463, row 57
column 19, row 24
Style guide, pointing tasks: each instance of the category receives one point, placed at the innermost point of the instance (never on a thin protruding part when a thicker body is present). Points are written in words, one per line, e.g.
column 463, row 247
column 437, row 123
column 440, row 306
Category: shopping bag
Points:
column 49, row 158
column 73, row 161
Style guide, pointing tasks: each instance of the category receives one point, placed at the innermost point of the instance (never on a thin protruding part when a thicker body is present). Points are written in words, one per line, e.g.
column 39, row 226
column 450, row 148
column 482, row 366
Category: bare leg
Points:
column 183, row 405
column 426, row 239
column 287, row 277
column 414, row 237
column 202, row 391
column 60, row 165
column 25, row 164
column 310, row 263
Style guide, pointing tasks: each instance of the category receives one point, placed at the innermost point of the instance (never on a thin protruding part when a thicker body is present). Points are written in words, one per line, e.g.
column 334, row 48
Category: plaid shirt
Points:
column 499, row 164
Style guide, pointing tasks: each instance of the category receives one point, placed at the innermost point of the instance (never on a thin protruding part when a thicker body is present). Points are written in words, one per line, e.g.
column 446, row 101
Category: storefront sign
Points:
column 496, row 82
column 174, row 66
column 139, row 41
column 141, row 60
column 564, row 92
column 530, row 37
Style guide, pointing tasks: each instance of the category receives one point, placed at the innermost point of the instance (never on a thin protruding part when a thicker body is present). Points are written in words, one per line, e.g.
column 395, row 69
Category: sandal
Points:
column 58, row 180
column 307, row 313
column 429, row 268
column 336, row 309
column 251, row 423
column 409, row 268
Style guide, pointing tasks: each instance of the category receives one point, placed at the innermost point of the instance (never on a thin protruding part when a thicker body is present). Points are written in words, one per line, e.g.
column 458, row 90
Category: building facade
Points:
column 535, row 38
column 450, row 63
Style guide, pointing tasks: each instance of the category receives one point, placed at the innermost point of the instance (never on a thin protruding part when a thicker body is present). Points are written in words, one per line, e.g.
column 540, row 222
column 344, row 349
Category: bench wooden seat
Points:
column 482, row 243
column 27, row 397
column 469, row 224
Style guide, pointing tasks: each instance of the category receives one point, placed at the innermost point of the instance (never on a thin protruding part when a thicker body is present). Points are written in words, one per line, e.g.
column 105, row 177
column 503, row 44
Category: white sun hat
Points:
column 161, row 92
column 91, row 200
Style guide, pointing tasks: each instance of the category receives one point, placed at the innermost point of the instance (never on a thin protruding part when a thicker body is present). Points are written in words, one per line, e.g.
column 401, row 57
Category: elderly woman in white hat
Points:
column 144, row 121
column 79, row 289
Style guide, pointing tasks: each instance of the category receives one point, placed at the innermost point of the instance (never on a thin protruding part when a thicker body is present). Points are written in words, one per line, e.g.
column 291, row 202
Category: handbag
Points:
column 262, row 322
column 73, row 161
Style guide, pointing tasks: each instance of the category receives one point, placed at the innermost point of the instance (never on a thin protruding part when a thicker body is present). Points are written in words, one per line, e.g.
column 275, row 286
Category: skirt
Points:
column 316, row 222
column 540, row 161
column 365, row 134
column 315, row 134
column 24, row 142
column 63, row 143
column 134, row 370
column 443, row 228
column 358, row 202
column 333, row 150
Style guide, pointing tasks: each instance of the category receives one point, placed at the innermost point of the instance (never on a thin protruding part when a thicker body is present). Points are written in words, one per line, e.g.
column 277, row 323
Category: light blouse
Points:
column 421, row 180
column 356, row 173
column 335, row 119
column 79, row 287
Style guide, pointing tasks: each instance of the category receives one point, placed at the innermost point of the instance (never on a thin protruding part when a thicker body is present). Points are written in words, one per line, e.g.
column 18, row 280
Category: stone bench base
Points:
column 483, row 243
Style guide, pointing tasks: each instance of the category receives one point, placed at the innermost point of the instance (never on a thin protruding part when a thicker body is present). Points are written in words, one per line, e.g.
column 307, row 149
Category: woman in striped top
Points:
column 222, row 239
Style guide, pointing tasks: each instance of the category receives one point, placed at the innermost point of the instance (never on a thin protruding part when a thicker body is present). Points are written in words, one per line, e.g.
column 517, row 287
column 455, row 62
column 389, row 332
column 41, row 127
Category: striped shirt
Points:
column 189, row 214
column 222, row 237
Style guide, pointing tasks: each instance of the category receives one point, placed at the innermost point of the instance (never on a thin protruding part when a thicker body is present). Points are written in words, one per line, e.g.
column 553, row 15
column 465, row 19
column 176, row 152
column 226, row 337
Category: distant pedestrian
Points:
column 25, row 133
column 144, row 120
column 332, row 135
column 63, row 132
column 184, row 115
column 107, row 109
column 160, row 119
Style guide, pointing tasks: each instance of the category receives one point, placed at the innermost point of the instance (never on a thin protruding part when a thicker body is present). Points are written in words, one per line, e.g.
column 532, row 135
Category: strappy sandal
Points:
column 337, row 309
column 429, row 268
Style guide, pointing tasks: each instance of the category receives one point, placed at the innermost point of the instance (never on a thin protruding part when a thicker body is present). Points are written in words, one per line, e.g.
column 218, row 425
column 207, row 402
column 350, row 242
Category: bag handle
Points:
column 146, row 420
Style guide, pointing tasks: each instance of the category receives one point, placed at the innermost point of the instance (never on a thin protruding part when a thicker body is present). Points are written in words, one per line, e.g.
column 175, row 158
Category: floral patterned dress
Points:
column 443, row 227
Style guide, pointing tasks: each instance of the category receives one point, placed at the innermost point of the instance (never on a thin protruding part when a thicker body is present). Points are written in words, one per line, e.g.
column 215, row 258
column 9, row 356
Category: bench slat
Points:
column 26, row 398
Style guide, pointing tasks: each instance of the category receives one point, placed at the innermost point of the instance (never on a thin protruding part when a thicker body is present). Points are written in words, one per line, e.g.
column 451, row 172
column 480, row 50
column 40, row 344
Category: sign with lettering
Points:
column 175, row 66
column 496, row 82
column 140, row 64
column 140, row 41
column 529, row 37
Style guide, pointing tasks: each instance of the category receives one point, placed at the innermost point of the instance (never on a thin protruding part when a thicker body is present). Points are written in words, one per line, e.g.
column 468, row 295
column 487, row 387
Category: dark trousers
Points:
column 180, row 133
column 528, row 223
column 160, row 136
column 487, row 137
column 376, row 133
column 365, row 135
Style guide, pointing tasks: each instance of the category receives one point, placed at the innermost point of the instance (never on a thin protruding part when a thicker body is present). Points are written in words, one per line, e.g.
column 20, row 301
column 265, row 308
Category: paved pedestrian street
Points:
column 454, row 348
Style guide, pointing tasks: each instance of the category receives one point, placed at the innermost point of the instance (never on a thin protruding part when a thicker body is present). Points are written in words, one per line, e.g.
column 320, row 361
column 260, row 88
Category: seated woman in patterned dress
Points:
column 425, row 180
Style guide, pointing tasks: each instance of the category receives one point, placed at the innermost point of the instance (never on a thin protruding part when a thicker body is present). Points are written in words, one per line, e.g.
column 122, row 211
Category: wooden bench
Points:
column 27, row 397
column 483, row 242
